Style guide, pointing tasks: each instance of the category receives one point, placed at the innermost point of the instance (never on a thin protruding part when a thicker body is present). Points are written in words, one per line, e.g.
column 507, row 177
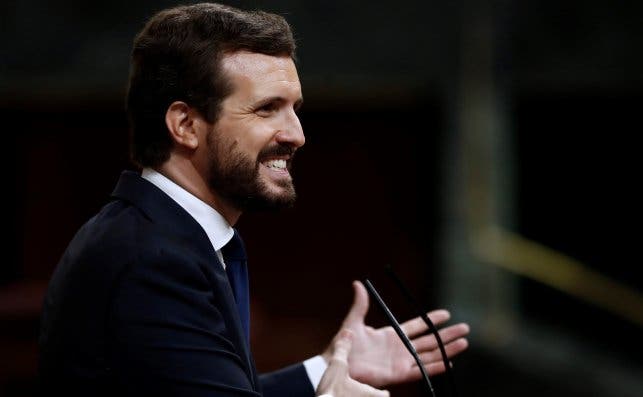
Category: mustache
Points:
column 277, row 150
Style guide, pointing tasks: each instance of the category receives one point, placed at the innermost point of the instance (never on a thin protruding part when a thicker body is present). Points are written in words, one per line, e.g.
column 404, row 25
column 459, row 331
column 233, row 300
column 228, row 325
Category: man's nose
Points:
column 291, row 132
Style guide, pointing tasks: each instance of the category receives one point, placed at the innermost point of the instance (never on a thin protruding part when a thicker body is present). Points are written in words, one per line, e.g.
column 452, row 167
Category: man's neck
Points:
column 185, row 175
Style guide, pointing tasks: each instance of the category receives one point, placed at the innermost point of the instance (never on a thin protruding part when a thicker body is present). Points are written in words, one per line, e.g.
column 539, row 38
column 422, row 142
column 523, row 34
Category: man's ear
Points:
column 180, row 122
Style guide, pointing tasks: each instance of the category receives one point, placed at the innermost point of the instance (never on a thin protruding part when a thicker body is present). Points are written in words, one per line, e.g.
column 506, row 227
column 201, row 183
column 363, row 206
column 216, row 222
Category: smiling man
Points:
column 151, row 296
column 242, row 161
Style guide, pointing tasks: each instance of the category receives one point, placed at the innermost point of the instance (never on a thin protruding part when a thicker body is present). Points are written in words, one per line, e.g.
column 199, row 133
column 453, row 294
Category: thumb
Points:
column 359, row 308
column 342, row 346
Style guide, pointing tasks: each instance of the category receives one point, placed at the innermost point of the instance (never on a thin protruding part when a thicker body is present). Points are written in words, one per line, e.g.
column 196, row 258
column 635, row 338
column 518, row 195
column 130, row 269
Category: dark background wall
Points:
column 384, row 84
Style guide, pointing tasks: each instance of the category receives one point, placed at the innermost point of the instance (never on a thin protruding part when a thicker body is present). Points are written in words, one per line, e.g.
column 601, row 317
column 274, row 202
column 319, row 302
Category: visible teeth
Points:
column 276, row 164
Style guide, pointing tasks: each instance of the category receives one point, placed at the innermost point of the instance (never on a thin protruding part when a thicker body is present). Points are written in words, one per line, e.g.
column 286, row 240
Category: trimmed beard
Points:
column 235, row 176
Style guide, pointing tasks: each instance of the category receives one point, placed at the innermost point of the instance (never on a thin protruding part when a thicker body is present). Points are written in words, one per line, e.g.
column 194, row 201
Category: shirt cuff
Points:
column 315, row 368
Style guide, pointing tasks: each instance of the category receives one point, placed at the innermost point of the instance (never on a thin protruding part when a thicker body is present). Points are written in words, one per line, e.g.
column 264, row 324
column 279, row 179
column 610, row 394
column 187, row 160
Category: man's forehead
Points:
column 255, row 65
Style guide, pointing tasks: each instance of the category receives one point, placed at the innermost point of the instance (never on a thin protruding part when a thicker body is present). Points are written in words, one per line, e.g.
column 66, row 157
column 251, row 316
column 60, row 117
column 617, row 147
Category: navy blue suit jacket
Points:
column 140, row 305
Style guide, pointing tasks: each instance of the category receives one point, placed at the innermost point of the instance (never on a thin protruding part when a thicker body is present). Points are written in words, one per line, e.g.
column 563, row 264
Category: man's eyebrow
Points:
column 265, row 101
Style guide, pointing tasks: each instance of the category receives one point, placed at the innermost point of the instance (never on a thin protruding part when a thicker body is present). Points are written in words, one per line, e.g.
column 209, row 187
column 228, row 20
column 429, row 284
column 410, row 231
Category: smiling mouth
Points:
column 276, row 164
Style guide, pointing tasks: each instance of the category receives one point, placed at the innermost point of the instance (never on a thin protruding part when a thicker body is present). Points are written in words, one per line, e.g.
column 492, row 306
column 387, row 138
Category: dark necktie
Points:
column 234, row 255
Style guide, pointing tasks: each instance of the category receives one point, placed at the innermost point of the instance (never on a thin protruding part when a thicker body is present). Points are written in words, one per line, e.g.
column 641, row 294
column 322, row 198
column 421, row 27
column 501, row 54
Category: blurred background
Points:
column 484, row 149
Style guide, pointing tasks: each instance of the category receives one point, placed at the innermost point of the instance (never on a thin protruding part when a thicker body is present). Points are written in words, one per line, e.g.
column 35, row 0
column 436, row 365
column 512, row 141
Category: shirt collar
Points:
column 216, row 227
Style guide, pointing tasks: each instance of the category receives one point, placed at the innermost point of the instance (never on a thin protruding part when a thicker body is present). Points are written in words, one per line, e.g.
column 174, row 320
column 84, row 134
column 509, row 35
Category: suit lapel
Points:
column 163, row 210
column 221, row 282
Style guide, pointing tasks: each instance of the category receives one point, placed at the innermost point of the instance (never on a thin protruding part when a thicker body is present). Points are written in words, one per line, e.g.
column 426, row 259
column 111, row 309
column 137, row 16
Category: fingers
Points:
column 448, row 334
column 417, row 326
column 337, row 369
column 342, row 346
column 433, row 362
column 432, row 369
column 336, row 380
column 435, row 368
column 435, row 357
column 359, row 308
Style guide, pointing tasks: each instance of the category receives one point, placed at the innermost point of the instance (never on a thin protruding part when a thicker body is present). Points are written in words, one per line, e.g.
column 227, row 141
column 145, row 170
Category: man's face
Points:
column 251, row 145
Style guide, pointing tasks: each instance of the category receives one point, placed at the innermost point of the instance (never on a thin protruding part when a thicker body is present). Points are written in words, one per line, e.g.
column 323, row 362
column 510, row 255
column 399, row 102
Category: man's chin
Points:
column 271, row 201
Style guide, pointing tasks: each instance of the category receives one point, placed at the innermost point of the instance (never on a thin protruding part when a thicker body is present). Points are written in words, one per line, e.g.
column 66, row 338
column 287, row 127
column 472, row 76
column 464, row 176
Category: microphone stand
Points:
column 432, row 328
column 396, row 326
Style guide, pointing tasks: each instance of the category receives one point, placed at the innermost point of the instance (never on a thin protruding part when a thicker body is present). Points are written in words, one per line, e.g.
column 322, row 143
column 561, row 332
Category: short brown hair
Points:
column 176, row 57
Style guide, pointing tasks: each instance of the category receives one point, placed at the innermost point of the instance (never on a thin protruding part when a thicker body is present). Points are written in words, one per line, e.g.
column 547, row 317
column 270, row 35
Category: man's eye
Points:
column 267, row 109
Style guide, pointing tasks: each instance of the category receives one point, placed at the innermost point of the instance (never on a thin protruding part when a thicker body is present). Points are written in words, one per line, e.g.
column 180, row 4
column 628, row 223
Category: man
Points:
column 150, row 297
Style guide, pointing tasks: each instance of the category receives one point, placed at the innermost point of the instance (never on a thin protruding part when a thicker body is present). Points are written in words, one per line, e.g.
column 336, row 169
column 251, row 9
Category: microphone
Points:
column 432, row 328
column 396, row 326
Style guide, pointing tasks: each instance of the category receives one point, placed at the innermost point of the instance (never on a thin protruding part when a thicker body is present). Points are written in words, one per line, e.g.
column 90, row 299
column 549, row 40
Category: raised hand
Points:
column 379, row 358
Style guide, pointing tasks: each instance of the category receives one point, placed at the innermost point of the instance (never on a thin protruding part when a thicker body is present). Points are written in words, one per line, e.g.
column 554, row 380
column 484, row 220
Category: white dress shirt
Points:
column 220, row 232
